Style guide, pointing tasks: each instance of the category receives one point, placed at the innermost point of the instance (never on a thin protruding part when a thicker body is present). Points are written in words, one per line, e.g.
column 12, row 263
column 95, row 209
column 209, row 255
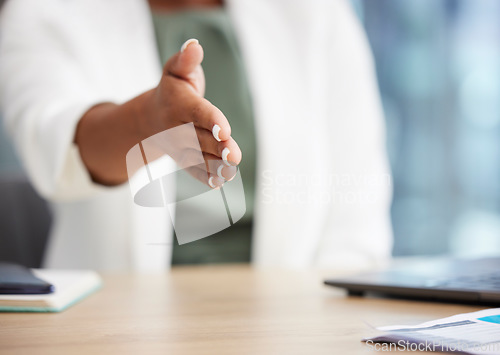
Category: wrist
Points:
column 141, row 113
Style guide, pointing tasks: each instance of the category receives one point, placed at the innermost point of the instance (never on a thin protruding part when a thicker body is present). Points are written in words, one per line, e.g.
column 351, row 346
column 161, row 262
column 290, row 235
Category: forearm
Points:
column 105, row 134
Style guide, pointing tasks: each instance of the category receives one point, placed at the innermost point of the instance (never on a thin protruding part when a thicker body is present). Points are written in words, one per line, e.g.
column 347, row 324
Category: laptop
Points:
column 458, row 280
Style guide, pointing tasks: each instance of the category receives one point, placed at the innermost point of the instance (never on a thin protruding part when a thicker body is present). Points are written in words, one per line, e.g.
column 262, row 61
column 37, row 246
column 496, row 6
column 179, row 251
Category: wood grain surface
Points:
column 214, row 310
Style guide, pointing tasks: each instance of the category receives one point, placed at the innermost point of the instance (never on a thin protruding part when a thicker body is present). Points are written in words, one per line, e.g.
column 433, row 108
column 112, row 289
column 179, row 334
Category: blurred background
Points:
column 438, row 65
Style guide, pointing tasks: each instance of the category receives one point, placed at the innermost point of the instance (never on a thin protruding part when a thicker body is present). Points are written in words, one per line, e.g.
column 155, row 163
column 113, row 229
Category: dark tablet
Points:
column 17, row 279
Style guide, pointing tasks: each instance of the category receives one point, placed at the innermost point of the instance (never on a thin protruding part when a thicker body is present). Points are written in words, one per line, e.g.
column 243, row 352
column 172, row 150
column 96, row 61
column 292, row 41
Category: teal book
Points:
column 71, row 286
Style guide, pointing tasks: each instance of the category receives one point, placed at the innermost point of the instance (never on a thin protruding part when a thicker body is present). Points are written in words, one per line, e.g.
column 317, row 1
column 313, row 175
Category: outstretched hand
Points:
column 107, row 131
column 178, row 99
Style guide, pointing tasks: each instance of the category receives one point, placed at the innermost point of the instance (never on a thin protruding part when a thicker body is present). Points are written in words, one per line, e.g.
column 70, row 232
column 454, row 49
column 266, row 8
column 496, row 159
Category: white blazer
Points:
column 323, row 183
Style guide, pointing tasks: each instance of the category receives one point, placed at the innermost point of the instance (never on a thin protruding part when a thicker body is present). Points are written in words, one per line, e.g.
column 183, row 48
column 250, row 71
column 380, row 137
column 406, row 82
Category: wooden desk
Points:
column 213, row 310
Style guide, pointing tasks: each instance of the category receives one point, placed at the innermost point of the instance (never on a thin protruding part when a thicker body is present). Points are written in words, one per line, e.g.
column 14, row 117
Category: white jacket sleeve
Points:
column 358, row 232
column 43, row 94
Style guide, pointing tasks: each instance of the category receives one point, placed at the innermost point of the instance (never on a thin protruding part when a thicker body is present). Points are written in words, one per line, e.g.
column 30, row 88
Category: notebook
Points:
column 71, row 286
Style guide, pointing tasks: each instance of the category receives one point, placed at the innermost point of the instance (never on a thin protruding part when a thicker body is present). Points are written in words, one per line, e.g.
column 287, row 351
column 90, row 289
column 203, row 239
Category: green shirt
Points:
column 227, row 88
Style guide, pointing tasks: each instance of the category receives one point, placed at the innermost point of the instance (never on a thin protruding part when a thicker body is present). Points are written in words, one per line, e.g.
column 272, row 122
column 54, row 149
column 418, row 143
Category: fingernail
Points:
column 211, row 183
column 219, row 172
column 215, row 132
column 225, row 153
column 231, row 179
column 188, row 42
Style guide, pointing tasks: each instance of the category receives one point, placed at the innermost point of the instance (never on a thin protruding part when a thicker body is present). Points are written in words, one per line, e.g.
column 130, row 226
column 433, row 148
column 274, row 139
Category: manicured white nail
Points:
column 219, row 171
column 225, row 153
column 211, row 183
column 215, row 132
column 231, row 179
column 188, row 42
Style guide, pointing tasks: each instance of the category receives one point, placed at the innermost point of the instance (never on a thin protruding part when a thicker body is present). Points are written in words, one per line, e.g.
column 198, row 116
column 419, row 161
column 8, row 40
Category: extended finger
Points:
column 199, row 173
column 229, row 149
column 205, row 115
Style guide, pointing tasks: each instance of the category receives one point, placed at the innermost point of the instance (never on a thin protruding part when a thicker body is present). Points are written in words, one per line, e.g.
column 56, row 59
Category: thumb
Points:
column 185, row 63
